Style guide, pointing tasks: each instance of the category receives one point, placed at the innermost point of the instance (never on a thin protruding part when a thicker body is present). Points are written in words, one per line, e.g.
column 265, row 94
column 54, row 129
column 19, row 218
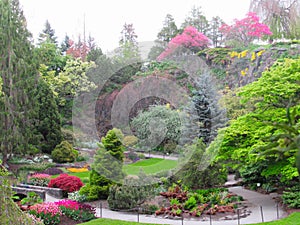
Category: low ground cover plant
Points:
column 291, row 197
column 195, row 203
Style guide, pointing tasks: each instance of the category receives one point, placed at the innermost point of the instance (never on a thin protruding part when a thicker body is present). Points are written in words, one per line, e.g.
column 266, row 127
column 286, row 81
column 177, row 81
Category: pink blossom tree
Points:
column 246, row 30
column 190, row 39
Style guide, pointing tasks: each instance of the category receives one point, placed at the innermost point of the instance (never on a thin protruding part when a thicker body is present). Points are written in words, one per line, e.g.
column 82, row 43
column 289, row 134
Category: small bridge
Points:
column 23, row 189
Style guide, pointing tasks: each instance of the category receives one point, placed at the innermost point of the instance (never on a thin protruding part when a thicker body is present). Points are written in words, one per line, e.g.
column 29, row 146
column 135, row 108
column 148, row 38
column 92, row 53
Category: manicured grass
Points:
column 293, row 219
column 147, row 162
column 112, row 222
column 150, row 166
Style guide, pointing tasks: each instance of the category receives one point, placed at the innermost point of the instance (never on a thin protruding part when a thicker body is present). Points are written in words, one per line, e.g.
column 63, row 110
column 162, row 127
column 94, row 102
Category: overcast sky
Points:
column 105, row 19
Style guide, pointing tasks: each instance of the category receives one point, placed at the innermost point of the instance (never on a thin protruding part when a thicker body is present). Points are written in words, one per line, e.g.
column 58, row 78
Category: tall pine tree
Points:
column 206, row 104
column 18, row 74
column 48, row 34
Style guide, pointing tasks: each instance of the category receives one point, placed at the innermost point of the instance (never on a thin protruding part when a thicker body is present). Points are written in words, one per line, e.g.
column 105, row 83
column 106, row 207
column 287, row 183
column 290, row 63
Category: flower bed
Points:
column 39, row 179
column 196, row 203
column 51, row 212
column 77, row 170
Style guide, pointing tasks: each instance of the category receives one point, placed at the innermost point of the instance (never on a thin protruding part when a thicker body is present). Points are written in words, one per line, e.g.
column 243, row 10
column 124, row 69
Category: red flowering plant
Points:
column 246, row 30
column 190, row 39
column 49, row 212
column 67, row 183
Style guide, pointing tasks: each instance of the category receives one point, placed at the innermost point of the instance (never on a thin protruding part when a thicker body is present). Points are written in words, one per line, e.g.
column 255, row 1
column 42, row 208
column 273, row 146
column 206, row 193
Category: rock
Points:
column 279, row 49
column 295, row 46
column 259, row 49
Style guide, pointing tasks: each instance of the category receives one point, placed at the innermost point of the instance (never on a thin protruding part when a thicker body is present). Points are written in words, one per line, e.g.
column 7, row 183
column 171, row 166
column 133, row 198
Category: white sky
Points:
column 105, row 19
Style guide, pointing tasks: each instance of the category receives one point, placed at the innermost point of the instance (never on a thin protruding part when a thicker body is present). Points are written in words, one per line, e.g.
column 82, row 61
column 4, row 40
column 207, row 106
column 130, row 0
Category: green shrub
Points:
column 190, row 203
column 97, row 188
column 32, row 150
column 31, row 199
column 76, row 196
column 149, row 208
column 63, row 153
column 37, row 167
column 291, row 199
column 94, row 192
column 141, row 156
column 68, row 135
column 130, row 141
column 133, row 193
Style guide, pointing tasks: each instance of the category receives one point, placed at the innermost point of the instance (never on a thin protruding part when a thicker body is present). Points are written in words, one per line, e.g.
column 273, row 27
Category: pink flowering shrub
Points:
column 70, row 204
column 39, row 179
column 49, row 212
column 76, row 211
column 245, row 30
column 190, row 38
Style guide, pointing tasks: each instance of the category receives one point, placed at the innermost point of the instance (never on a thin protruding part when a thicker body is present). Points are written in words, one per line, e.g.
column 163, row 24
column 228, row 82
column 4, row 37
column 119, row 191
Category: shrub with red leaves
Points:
column 66, row 182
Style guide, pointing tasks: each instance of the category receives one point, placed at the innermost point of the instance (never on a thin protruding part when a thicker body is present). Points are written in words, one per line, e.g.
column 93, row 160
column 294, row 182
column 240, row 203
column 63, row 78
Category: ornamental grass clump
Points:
column 49, row 212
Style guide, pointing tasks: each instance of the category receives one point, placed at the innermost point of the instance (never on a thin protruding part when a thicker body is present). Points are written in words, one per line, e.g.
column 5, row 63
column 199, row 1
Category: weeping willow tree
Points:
column 282, row 16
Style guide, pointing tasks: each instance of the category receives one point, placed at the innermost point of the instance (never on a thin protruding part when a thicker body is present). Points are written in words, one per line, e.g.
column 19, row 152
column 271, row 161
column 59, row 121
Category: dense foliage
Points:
column 267, row 134
column 63, row 152
column 66, row 182
column 158, row 127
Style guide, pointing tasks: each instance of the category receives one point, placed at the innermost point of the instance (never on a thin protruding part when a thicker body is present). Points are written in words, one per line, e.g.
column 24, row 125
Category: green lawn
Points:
column 293, row 219
column 112, row 222
column 150, row 166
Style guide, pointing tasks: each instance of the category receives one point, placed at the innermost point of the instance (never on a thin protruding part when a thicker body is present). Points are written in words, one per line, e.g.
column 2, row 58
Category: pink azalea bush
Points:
column 76, row 211
column 246, row 29
column 39, row 179
column 190, row 38
column 68, row 204
column 49, row 212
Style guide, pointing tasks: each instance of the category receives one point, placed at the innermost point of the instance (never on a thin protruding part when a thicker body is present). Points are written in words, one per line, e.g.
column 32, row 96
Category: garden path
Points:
column 254, row 203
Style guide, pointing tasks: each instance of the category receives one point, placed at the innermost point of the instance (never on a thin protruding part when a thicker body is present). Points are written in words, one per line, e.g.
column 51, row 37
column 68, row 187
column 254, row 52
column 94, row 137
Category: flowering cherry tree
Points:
column 190, row 38
column 246, row 30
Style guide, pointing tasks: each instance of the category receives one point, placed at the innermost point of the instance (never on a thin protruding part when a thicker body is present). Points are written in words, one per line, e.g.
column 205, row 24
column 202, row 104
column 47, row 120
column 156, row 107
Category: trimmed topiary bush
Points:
column 63, row 153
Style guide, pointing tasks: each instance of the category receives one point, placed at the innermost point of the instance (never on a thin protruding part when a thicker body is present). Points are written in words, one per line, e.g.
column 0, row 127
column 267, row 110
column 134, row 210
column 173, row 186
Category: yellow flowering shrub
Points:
column 260, row 52
column 253, row 56
column 233, row 54
column 77, row 170
column 244, row 72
